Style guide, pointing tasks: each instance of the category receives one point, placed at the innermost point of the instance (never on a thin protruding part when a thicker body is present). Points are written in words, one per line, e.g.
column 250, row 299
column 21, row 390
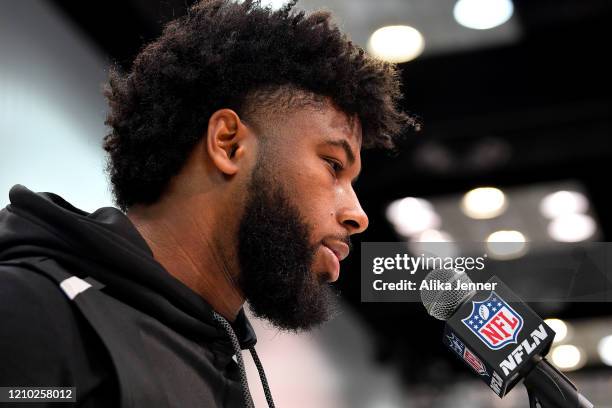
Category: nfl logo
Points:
column 458, row 347
column 474, row 362
column 494, row 322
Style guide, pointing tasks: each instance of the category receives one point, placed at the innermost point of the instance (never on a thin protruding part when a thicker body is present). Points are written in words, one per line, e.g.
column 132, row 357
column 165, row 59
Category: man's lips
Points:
column 332, row 263
column 340, row 249
column 335, row 251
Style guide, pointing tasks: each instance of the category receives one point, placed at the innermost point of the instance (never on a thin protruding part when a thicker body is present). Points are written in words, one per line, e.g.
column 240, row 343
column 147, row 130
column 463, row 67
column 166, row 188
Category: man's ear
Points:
column 225, row 140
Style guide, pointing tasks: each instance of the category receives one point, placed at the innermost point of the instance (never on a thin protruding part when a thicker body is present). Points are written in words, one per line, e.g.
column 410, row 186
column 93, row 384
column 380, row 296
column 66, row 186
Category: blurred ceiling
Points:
column 434, row 19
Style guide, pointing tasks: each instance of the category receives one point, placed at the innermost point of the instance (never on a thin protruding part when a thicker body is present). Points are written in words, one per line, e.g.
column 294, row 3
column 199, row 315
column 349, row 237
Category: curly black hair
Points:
column 226, row 54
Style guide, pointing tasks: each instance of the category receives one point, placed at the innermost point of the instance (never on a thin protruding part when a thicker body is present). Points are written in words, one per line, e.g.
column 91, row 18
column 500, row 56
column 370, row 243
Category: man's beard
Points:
column 276, row 259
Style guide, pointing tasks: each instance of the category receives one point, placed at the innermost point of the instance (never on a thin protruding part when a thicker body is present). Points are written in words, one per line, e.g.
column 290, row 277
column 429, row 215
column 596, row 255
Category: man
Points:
column 234, row 144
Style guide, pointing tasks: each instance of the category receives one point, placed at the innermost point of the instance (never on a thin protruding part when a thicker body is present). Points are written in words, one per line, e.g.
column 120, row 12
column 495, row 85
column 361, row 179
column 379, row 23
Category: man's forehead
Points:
column 331, row 118
column 347, row 124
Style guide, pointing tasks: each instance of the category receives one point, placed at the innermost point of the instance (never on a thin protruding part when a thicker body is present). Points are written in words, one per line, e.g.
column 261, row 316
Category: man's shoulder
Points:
column 25, row 293
column 34, row 310
column 44, row 339
column 22, row 277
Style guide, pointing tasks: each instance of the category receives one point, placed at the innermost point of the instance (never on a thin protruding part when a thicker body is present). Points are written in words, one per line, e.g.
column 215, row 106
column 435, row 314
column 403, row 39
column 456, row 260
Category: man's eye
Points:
column 335, row 165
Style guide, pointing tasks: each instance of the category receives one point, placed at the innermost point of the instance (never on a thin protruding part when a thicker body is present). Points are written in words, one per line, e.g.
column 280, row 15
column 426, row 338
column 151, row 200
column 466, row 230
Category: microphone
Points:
column 499, row 337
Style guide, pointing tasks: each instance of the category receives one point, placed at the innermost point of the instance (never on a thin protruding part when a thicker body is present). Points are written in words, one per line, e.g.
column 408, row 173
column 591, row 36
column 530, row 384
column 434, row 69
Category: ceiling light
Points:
column 572, row 228
column 412, row 215
column 485, row 202
column 433, row 235
column 559, row 327
column 483, row 14
column 604, row 348
column 396, row 44
column 567, row 357
column 506, row 244
column 563, row 203
column 434, row 243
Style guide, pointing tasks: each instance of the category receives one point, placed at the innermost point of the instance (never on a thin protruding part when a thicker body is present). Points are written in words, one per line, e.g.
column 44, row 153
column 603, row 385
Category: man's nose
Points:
column 353, row 218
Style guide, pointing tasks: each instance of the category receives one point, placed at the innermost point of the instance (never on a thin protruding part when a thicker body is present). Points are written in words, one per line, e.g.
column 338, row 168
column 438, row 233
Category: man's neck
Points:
column 190, row 247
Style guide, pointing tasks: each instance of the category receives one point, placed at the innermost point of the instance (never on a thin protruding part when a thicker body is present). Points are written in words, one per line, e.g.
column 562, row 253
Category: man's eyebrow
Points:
column 344, row 145
column 347, row 149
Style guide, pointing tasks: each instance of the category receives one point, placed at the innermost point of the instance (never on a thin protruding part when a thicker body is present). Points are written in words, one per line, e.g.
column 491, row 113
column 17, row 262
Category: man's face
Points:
column 300, row 212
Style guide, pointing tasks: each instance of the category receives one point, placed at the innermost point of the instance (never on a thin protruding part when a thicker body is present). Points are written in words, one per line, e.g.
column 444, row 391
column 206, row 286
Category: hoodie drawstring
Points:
column 262, row 377
column 248, row 401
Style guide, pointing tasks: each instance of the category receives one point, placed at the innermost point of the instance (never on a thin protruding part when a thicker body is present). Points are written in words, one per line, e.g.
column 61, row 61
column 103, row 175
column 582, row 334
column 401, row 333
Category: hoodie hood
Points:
column 105, row 246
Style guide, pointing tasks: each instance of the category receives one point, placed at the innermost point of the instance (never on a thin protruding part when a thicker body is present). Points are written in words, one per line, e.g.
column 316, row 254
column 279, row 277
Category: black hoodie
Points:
column 84, row 304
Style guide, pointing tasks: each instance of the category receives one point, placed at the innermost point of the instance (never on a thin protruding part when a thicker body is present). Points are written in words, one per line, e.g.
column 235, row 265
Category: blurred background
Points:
column 516, row 102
